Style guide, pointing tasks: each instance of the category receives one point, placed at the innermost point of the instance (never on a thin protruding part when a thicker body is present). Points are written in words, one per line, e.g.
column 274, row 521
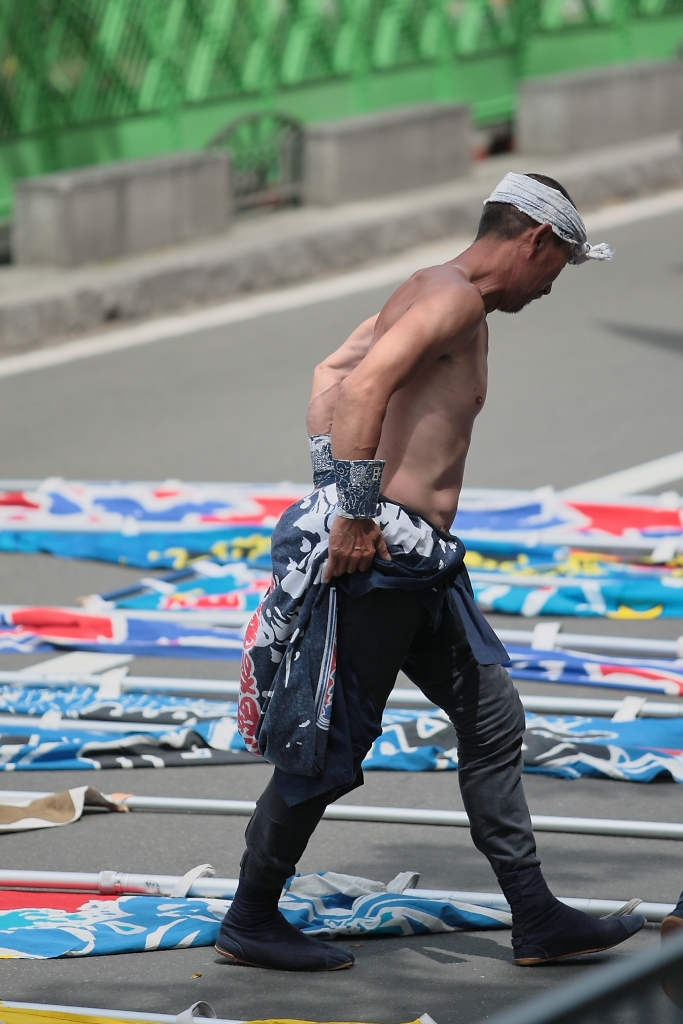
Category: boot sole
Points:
column 533, row 961
column 248, row 963
column 671, row 925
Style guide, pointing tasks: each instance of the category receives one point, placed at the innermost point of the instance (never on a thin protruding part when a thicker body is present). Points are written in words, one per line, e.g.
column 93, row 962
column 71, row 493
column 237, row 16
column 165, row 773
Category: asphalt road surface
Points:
column 584, row 383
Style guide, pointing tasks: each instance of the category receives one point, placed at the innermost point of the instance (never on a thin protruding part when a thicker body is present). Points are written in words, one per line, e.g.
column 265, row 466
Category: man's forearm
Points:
column 328, row 377
column 324, row 395
column 357, row 424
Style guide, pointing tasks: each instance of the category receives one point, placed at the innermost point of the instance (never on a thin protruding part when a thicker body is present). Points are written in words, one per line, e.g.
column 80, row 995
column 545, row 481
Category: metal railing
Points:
column 87, row 81
column 645, row 989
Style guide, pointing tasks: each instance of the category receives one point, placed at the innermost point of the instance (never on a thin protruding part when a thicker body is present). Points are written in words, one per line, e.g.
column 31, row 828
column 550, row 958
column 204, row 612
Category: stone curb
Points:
column 41, row 305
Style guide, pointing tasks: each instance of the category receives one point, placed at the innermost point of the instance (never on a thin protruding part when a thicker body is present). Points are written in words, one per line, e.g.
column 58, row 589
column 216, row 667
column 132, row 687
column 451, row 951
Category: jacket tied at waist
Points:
column 289, row 662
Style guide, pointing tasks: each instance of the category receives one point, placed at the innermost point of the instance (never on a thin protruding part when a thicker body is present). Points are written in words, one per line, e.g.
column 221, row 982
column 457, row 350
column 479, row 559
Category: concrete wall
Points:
column 583, row 110
column 100, row 213
column 397, row 150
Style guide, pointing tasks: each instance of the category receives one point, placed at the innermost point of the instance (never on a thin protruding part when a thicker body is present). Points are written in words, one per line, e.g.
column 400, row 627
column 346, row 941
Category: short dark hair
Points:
column 505, row 221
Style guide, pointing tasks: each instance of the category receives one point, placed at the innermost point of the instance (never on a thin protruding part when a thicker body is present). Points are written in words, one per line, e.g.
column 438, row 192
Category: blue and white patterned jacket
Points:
column 290, row 647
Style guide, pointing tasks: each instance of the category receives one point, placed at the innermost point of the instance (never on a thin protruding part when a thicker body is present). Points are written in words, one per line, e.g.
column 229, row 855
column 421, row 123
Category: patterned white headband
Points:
column 548, row 206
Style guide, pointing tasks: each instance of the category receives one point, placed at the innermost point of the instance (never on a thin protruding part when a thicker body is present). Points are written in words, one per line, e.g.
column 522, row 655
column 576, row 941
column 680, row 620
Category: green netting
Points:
column 82, row 81
column 74, row 62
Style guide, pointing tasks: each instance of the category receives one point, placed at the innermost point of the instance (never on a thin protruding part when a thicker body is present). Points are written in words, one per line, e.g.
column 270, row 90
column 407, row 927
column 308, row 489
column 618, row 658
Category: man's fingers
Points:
column 331, row 569
column 366, row 561
column 382, row 549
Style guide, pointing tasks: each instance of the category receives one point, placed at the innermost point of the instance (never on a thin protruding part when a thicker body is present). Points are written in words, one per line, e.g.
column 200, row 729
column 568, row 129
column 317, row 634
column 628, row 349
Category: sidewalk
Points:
column 42, row 305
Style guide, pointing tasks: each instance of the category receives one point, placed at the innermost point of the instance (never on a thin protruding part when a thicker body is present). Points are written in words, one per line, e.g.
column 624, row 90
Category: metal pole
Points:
column 398, row 698
column 128, row 684
column 117, row 882
column 654, row 912
column 555, row 705
column 526, row 539
column 110, row 883
column 192, row 617
column 586, row 642
column 88, row 725
column 417, row 816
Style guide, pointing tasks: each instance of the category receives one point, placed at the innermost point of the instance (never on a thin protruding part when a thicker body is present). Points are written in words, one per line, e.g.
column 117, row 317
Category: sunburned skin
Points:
column 409, row 383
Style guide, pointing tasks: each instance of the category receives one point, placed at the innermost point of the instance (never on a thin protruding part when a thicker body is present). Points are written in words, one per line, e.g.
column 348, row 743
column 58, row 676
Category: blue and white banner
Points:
column 565, row 747
column 34, row 630
column 192, row 731
column 147, row 525
column 136, row 924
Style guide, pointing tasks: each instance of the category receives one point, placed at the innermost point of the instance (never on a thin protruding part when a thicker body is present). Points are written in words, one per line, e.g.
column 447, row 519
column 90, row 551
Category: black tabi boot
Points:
column 673, row 922
column 543, row 929
column 255, row 933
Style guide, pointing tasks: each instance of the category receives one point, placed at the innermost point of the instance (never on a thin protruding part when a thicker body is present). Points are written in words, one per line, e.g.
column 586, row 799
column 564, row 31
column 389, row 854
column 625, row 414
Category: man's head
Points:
column 537, row 230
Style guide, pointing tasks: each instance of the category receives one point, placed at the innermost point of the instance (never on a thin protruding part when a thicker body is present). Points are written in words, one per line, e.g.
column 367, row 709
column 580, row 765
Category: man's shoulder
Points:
column 451, row 291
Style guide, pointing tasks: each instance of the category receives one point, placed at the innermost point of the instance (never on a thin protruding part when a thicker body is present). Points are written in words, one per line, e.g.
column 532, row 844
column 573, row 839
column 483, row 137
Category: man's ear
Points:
column 540, row 238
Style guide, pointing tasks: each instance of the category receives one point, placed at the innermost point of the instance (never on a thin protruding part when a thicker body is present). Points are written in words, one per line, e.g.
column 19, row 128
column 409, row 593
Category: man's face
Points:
column 538, row 263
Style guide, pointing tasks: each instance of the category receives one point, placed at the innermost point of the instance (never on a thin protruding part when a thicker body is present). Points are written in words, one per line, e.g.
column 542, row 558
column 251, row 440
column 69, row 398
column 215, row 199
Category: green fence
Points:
column 87, row 81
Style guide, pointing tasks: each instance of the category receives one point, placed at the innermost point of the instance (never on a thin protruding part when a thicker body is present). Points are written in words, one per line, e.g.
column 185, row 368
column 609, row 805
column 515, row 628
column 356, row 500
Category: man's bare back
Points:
column 408, row 384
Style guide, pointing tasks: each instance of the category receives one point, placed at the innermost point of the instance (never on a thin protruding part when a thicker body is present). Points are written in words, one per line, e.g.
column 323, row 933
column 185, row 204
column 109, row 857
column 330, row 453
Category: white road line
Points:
column 239, row 310
column 638, row 209
column 632, row 481
column 235, row 311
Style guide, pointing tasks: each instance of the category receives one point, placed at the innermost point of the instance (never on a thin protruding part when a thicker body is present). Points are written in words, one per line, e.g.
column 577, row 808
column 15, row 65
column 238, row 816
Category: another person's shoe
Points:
column 255, row 933
column 673, row 922
column 544, row 930
column 672, row 983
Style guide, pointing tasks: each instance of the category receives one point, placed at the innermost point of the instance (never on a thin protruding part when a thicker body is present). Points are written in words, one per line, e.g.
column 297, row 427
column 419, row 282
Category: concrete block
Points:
column 393, row 151
column 101, row 213
column 588, row 109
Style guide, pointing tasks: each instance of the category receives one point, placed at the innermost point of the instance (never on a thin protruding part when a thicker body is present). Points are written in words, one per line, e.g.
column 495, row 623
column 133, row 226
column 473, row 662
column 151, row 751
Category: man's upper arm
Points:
column 344, row 359
column 428, row 329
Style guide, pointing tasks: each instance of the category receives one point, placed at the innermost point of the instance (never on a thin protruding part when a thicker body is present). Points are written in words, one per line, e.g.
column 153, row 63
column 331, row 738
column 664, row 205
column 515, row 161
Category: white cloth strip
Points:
column 546, row 205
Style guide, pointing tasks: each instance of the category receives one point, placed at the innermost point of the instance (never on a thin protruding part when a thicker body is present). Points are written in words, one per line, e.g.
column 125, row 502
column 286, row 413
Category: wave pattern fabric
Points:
column 29, row 747
column 134, row 924
column 563, row 747
column 568, row 747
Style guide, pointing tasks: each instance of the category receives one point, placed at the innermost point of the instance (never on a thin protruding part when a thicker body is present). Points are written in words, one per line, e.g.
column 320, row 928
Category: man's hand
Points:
column 354, row 544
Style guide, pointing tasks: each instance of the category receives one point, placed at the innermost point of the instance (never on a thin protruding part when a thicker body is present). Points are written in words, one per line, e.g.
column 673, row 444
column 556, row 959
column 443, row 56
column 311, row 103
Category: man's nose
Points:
column 547, row 290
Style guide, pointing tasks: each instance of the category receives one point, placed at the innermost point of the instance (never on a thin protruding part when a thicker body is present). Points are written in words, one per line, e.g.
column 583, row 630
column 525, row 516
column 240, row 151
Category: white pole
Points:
column 191, row 617
column 587, row 642
column 129, row 684
column 399, row 698
column 110, row 883
column 551, row 537
column 654, row 912
column 554, row 705
column 416, row 816
column 88, row 725
column 117, row 882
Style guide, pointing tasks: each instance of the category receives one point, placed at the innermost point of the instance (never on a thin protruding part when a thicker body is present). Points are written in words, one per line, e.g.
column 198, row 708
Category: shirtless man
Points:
column 399, row 399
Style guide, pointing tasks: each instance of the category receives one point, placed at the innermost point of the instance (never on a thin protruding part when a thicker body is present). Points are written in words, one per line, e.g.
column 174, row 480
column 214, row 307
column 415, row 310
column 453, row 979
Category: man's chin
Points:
column 517, row 307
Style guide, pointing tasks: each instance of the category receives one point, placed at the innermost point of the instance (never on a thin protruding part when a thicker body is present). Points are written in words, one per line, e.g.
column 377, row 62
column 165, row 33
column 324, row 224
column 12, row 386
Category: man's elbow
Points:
column 357, row 392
